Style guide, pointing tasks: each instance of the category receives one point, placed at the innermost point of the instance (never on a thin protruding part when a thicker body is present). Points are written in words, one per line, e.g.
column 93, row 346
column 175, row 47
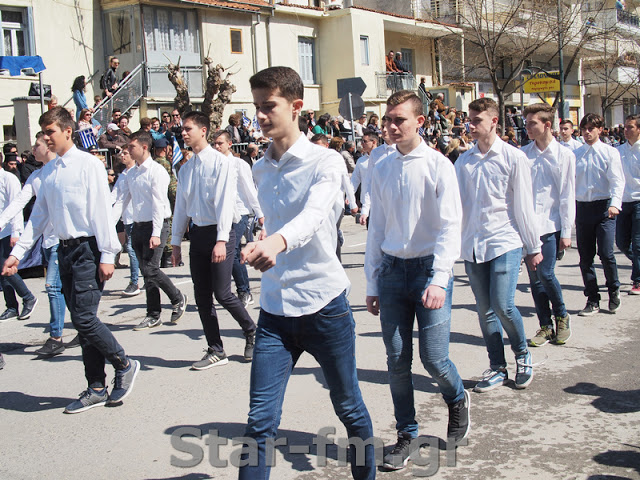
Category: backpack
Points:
column 102, row 84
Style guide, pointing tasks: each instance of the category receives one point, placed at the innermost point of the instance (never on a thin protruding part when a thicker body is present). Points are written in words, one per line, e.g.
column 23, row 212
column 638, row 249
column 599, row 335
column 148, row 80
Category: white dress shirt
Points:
column 75, row 197
column 376, row 155
column 553, row 173
column 14, row 210
column 247, row 199
column 347, row 188
column 599, row 174
column 207, row 192
column 146, row 187
column 630, row 157
column 360, row 172
column 572, row 144
column 9, row 191
column 127, row 213
column 497, row 202
column 301, row 198
column 417, row 208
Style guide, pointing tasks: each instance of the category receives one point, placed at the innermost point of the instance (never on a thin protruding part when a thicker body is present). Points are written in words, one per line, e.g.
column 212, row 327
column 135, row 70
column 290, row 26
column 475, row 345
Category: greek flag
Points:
column 245, row 121
column 87, row 138
column 256, row 125
column 177, row 153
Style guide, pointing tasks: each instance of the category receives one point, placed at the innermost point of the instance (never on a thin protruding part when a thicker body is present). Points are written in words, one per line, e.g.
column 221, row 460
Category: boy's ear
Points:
column 297, row 106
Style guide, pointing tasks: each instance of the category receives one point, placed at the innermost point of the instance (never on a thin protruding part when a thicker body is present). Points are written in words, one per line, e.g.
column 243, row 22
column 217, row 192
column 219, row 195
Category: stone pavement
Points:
column 579, row 419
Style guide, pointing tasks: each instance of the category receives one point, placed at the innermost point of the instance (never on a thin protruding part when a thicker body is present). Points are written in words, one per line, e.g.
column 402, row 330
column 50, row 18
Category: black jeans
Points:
column 214, row 279
column 154, row 278
column 14, row 283
column 595, row 228
column 82, row 290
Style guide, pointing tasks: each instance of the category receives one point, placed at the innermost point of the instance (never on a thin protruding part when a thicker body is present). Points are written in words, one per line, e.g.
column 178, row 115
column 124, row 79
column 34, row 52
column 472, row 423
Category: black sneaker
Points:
column 123, row 382
column 179, row 309
column 8, row 314
column 88, row 399
column 614, row 301
column 459, row 419
column 148, row 322
column 27, row 308
column 398, row 457
column 590, row 309
column 249, row 345
column 51, row 347
column 560, row 255
column 75, row 342
column 2, row 362
column 131, row 290
column 210, row 359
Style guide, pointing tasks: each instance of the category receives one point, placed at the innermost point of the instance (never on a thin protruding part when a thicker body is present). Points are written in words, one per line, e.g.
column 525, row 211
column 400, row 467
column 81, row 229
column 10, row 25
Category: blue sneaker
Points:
column 524, row 370
column 123, row 382
column 88, row 399
column 491, row 379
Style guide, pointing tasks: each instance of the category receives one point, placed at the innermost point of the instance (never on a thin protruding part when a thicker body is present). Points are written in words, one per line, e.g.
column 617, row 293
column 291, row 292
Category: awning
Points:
column 15, row 65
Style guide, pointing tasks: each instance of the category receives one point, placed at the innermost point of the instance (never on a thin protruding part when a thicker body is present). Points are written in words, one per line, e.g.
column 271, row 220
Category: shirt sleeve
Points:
column 355, row 177
column 13, row 190
column 375, row 236
column 38, row 220
column 120, row 197
column 17, row 205
column 348, row 190
column 159, row 187
column 523, row 204
column 227, row 190
column 321, row 199
column 101, row 221
column 180, row 219
column 615, row 175
column 248, row 188
column 567, row 193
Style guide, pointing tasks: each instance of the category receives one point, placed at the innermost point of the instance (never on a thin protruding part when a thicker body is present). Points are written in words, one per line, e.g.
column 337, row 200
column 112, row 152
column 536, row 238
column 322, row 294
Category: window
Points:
column 364, row 49
column 119, row 24
column 170, row 30
column 306, row 54
column 15, row 23
column 407, row 58
column 236, row 40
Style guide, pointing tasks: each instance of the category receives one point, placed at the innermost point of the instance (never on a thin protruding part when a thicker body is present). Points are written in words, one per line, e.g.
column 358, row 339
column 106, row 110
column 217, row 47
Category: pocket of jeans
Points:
column 87, row 292
column 337, row 308
column 385, row 266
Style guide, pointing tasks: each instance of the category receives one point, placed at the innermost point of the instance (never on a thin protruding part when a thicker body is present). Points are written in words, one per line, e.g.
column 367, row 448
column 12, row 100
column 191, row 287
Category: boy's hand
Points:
column 262, row 254
column 564, row 244
column 534, row 260
column 176, row 255
column 219, row 253
column 10, row 266
column 105, row 271
column 433, row 297
column 373, row 305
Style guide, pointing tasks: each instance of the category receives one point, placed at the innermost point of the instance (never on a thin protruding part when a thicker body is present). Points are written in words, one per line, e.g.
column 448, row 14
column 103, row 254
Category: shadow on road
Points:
column 608, row 401
column 21, row 402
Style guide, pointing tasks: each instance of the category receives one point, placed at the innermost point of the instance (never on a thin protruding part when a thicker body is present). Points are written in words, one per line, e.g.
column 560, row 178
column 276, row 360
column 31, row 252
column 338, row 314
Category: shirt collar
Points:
column 495, row 149
column 297, row 150
column 146, row 164
column 67, row 158
column 417, row 152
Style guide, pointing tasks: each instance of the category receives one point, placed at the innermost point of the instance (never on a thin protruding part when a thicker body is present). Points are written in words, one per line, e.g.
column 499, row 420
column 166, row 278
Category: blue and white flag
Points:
column 177, row 153
column 256, row 125
column 87, row 138
column 245, row 121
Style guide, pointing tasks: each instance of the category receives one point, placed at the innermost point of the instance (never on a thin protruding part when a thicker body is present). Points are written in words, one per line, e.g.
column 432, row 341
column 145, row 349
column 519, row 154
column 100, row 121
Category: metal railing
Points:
column 389, row 83
column 131, row 89
column 160, row 86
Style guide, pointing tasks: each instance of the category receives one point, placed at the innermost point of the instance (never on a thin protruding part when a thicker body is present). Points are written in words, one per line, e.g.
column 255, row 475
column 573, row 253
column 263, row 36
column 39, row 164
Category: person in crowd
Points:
column 110, row 79
column 210, row 216
column 322, row 125
column 599, row 192
column 566, row 135
column 176, row 127
column 498, row 218
column 81, row 219
column 302, row 281
column 369, row 142
column 79, row 98
column 112, row 139
column 251, row 154
column 553, row 175
column 628, row 221
column 372, row 125
column 348, row 155
column 123, row 124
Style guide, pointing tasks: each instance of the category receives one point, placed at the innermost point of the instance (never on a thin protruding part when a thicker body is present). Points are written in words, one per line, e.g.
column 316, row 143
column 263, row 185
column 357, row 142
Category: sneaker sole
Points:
column 53, row 353
column 146, row 327
column 490, row 387
column 582, row 314
column 522, row 386
column 25, row 317
column 224, row 361
column 533, row 344
column 136, row 366
column 131, row 294
column 84, row 409
column 562, row 342
column 467, row 397
column 186, row 300
column 388, row 466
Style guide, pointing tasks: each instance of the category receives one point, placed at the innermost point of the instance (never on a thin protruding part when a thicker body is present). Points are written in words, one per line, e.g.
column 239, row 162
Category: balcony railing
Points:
column 388, row 83
column 612, row 18
column 131, row 89
column 160, row 86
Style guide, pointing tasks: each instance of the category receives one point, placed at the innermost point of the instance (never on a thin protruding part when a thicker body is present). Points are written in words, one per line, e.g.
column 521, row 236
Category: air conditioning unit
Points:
column 333, row 4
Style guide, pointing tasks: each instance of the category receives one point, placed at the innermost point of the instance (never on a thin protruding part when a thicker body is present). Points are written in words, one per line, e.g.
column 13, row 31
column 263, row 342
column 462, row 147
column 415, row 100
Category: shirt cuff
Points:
column 441, row 279
column 108, row 258
column 290, row 238
column 565, row 232
column 176, row 240
column 222, row 236
column 18, row 251
column 372, row 289
column 156, row 232
column 616, row 202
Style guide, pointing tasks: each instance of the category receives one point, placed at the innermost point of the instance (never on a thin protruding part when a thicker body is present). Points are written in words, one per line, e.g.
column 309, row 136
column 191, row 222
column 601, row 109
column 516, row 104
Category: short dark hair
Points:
column 403, row 96
column 222, row 133
column 58, row 115
column 566, row 121
column 372, row 136
column 145, row 122
column 592, row 119
column 544, row 110
column 320, row 137
column 283, row 80
column 484, row 104
column 635, row 118
column 199, row 118
column 143, row 138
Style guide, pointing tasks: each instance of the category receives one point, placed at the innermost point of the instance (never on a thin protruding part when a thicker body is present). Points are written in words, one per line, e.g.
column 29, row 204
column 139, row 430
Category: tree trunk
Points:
column 217, row 94
column 182, row 102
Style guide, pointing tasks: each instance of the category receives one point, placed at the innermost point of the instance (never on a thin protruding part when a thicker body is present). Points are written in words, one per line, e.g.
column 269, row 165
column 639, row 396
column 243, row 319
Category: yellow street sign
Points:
column 541, row 82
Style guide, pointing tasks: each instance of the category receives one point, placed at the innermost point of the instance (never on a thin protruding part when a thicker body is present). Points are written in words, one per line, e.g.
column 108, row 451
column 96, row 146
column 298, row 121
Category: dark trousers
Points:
column 214, row 279
column 239, row 271
column 82, row 290
column 14, row 283
column 154, row 278
column 595, row 228
column 628, row 236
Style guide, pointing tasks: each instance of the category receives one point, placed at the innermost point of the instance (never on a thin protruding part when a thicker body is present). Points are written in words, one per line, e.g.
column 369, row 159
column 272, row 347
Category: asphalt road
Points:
column 579, row 419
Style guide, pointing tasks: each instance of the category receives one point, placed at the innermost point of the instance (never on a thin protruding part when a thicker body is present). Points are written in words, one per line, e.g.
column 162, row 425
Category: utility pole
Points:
column 561, row 63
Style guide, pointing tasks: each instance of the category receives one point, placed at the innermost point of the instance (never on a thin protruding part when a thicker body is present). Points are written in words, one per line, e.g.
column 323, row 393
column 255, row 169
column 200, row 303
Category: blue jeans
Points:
column 12, row 284
column 545, row 287
column 239, row 271
column 494, row 286
column 134, row 266
column 628, row 236
column 401, row 283
column 53, row 284
column 329, row 336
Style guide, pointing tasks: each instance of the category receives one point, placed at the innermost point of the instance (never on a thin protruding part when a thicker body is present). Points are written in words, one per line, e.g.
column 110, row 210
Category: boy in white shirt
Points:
column 599, row 190
column 498, row 218
column 369, row 142
column 409, row 268
column 628, row 222
column 566, row 135
column 303, row 298
column 553, row 175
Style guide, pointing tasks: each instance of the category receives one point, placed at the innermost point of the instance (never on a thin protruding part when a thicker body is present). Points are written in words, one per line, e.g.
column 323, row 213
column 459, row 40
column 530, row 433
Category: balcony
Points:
column 622, row 21
column 160, row 86
column 389, row 83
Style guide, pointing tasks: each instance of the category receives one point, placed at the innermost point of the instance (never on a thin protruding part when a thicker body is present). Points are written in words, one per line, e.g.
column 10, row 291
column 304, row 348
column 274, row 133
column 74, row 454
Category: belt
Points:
column 74, row 242
column 151, row 222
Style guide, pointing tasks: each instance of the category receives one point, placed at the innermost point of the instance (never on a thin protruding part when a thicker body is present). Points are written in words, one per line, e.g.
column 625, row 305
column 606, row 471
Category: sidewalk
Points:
column 579, row 419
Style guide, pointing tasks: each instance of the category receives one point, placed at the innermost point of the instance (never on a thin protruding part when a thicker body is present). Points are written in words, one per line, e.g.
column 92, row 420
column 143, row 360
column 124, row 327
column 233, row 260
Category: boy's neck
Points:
column 280, row 145
column 65, row 148
column 485, row 143
column 543, row 142
column 409, row 146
